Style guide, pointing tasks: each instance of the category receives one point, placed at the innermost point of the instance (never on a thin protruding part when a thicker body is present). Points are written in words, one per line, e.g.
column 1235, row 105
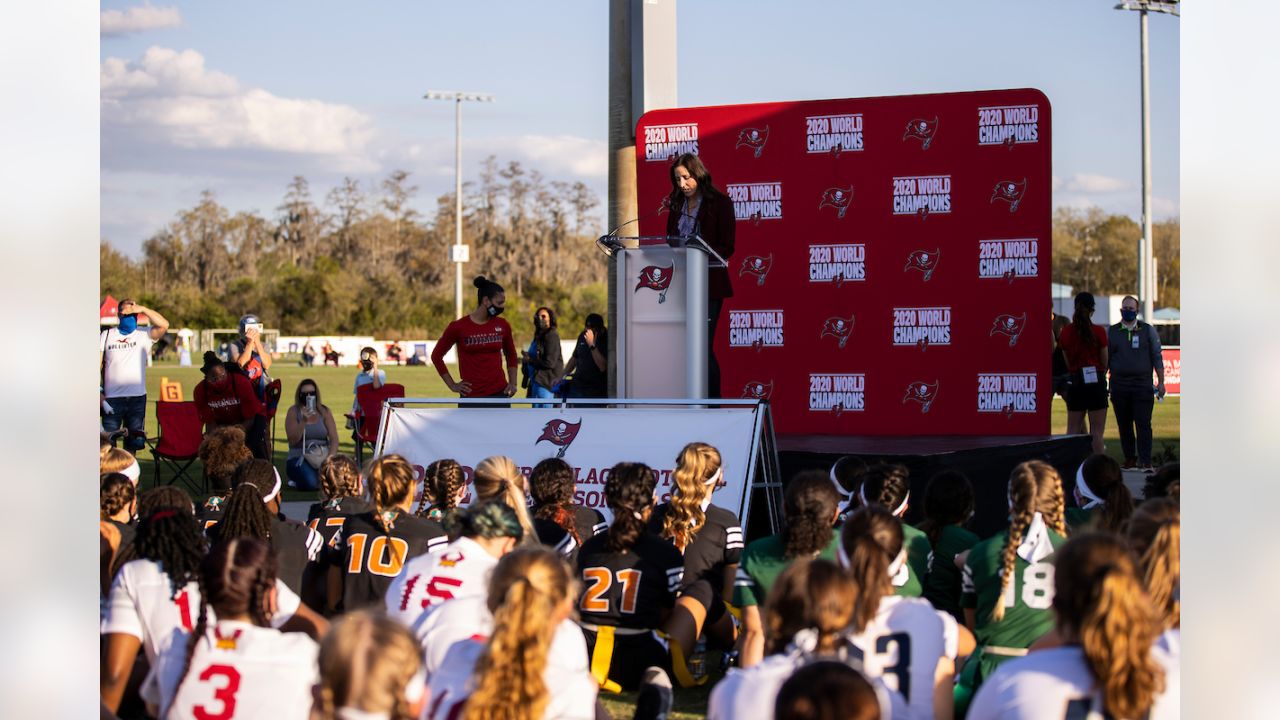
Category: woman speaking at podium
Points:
column 699, row 208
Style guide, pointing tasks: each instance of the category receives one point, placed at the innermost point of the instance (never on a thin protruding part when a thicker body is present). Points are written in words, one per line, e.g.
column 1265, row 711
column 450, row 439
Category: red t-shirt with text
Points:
column 232, row 403
column 480, row 351
column 1078, row 354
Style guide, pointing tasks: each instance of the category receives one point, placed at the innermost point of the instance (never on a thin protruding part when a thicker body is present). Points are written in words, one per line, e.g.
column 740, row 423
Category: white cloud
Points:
column 137, row 19
column 1087, row 183
column 169, row 98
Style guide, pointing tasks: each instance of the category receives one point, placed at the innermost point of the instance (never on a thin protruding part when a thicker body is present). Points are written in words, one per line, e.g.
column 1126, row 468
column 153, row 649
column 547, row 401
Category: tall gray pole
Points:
column 457, row 203
column 1146, row 270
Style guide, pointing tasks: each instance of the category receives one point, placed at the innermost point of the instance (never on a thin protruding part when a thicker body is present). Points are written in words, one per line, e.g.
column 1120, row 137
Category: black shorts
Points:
column 1083, row 397
column 632, row 655
column 708, row 598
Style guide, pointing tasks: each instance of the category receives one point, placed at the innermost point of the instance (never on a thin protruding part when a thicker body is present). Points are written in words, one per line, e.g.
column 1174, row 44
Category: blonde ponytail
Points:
column 695, row 465
column 1155, row 534
column 367, row 661
column 499, row 478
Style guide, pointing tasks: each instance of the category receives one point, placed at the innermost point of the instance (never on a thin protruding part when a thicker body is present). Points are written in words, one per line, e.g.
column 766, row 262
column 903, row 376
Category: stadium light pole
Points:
column 459, row 253
column 1146, row 248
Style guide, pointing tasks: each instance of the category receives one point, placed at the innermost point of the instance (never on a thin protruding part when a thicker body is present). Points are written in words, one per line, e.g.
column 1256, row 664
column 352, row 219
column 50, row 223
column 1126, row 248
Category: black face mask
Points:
column 494, row 311
column 367, row 365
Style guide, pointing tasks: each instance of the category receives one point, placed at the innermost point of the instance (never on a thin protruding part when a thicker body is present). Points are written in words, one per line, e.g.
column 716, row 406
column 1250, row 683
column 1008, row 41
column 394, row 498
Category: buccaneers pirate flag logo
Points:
column 839, row 328
column 1010, row 192
column 923, row 393
column 560, row 434
column 838, row 198
column 1009, row 325
column 657, row 278
column 758, row 266
column 757, row 390
column 924, row 261
column 753, row 138
column 922, row 130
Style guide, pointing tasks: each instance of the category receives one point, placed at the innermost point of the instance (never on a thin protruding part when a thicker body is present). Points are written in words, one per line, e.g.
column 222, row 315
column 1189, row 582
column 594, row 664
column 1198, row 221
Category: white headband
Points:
column 1082, row 487
column 898, row 569
column 416, row 687
column 846, row 497
column 133, row 472
column 275, row 489
column 897, row 512
column 715, row 478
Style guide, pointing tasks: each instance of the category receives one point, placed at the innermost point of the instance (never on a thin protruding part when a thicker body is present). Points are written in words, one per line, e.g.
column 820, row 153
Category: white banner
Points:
column 592, row 440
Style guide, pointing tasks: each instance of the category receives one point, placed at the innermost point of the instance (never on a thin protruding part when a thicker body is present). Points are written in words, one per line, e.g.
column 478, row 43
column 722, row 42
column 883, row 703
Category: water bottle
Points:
column 698, row 660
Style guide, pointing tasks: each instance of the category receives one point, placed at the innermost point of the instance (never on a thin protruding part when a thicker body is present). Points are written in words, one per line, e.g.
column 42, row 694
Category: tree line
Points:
column 364, row 261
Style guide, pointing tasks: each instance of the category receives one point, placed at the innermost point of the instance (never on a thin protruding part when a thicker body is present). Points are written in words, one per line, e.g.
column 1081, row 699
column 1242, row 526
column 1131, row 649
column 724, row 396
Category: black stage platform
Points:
column 986, row 460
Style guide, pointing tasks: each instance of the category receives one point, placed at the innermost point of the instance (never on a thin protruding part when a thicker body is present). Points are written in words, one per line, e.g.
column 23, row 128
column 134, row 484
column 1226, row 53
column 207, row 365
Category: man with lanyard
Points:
column 1134, row 355
column 122, row 355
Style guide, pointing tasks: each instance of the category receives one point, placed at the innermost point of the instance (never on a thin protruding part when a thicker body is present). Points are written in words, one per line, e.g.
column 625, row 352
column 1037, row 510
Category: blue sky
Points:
column 238, row 97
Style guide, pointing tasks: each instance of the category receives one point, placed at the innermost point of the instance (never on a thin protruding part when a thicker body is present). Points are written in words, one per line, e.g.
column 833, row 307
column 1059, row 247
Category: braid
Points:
column 551, row 485
column 440, row 485
column 115, row 494
column 809, row 505
column 197, row 633
column 1034, row 487
column 172, row 538
column 165, row 496
column 245, row 515
column 628, row 491
column 339, row 476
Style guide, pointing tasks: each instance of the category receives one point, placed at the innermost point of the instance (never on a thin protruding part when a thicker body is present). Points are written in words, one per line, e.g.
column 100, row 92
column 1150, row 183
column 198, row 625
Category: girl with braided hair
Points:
column 630, row 578
column 488, row 531
column 342, row 493
column 807, row 611
column 1103, row 501
column 889, row 486
column 235, row 664
column 710, row 538
column 253, row 510
column 1007, row 580
column 499, row 478
column 1109, row 665
column 370, row 667
column 118, row 503
column 551, row 487
column 518, row 670
column 371, row 548
column 903, row 640
column 444, row 484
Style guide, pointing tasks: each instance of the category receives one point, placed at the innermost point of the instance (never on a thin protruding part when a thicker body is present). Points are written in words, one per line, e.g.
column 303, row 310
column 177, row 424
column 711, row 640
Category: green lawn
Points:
column 1166, row 428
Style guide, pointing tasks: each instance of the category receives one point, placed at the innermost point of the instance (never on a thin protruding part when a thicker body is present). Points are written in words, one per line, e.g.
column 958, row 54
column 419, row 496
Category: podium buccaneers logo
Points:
column 923, row 393
column 560, row 434
column 757, row 390
column 1009, row 325
column 753, row 138
column 838, row 198
column 758, row 266
column 657, row 278
column 838, row 328
column 922, row 130
column 924, row 261
column 1010, row 192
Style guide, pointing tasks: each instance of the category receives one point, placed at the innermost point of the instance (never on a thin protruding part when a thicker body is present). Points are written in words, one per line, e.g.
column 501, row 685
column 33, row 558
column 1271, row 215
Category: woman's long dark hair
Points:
column 1082, row 320
column 552, row 324
column 628, row 492
column 809, row 506
column 698, row 172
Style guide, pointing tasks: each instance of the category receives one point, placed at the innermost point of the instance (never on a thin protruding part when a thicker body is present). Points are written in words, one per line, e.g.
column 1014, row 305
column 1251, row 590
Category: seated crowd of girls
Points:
column 494, row 595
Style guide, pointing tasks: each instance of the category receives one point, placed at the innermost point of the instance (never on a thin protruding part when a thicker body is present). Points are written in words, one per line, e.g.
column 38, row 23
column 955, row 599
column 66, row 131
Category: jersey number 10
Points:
column 379, row 562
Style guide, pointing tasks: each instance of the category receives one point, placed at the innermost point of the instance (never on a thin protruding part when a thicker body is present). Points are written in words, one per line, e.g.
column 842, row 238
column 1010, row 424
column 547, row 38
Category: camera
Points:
column 311, row 403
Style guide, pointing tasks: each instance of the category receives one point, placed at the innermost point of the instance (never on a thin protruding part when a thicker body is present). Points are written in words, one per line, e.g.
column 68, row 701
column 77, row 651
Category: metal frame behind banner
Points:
column 763, row 472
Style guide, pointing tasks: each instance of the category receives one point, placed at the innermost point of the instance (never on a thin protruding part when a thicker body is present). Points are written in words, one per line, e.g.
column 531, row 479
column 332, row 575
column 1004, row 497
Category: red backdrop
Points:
column 891, row 273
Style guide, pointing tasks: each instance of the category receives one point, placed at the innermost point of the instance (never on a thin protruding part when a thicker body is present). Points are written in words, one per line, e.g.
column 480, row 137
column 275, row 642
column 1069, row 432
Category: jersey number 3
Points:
column 601, row 579
column 226, row 695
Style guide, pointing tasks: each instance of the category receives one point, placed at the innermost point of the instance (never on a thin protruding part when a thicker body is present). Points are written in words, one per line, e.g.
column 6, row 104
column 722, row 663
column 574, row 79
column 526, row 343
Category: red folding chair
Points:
column 178, row 444
column 369, row 400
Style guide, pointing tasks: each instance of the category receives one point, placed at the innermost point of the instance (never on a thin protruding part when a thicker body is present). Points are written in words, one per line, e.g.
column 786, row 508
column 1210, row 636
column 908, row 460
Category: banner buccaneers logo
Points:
column 560, row 434
column 922, row 130
column 923, row 393
column 1009, row 325
column 657, row 278
column 924, row 261
column 757, row 390
column 753, row 138
column 838, row 198
column 1010, row 192
column 758, row 266
column 839, row 328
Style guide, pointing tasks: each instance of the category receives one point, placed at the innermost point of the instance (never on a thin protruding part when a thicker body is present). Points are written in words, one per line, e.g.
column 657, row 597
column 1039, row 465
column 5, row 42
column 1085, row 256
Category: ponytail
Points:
column 869, row 542
column 1155, row 536
column 1082, row 319
column 628, row 492
column 697, row 463
column 1034, row 487
column 498, row 477
column 551, row 484
column 390, row 483
column 1101, row 475
column 809, row 506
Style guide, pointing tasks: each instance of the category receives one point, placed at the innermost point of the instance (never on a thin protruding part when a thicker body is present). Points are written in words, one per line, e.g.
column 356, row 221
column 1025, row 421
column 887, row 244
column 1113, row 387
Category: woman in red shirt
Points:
column 482, row 339
column 1085, row 346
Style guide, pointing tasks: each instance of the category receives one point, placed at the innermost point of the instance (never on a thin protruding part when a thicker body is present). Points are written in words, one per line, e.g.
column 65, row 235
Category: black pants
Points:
column 713, row 366
column 1133, row 411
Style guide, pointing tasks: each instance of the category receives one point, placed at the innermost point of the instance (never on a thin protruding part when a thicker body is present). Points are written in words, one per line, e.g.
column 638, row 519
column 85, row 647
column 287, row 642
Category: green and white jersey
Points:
column 1028, row 601
column 761, row 564
column 1078, row 519
column 917, row 544
column 942, row 582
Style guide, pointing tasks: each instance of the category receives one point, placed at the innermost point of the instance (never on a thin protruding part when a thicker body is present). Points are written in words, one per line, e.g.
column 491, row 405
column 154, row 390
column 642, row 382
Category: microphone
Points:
column 609, row 242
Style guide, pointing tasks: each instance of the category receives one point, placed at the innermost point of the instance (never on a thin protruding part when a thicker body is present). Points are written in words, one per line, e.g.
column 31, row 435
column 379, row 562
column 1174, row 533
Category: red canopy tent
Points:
column 107, row 313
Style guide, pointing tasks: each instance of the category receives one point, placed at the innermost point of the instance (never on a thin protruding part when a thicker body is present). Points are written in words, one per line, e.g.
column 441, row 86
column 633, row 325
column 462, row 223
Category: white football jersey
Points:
column 1056, row 683
column 459, row 569
column 571, row 688
column 903, row 645
column 751, row 692
column 238, row 670
column 142, row 604
column 469, row 618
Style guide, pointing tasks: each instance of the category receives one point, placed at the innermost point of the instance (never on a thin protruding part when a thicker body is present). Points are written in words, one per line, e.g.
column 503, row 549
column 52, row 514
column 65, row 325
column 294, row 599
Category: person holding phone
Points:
column 251, row 355
column 312, row 435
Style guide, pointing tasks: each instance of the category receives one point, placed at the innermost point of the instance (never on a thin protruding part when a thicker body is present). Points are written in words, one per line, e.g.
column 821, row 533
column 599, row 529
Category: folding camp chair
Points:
column 369, row 400
column 179, row 442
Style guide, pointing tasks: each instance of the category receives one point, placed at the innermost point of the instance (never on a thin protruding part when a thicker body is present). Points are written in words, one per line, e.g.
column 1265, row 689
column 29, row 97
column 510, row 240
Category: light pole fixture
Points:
column 1146, row 247
column 459, row 253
